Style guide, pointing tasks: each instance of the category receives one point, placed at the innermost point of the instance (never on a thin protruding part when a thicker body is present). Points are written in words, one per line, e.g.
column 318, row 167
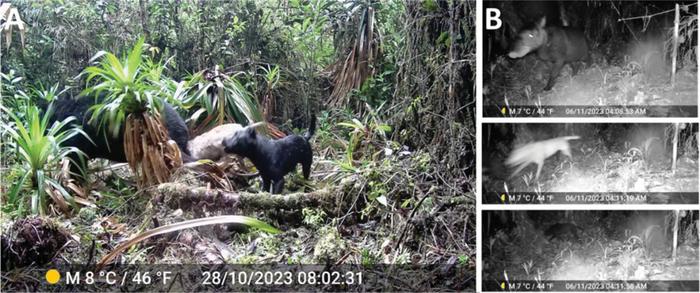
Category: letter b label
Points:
column 493, row 20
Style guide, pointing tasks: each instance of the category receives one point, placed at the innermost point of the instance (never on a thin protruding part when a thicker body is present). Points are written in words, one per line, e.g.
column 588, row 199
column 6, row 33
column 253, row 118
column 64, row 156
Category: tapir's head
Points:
column 529, row 39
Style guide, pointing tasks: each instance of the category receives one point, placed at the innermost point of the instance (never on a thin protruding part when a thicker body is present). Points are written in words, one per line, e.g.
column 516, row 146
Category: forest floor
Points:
column 376, row 212
column 596, row 172
column 595, row 257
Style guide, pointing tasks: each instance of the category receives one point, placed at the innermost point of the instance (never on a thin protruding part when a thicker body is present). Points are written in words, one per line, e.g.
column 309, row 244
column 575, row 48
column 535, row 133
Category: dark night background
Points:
column 609, row 157
column 630, row 47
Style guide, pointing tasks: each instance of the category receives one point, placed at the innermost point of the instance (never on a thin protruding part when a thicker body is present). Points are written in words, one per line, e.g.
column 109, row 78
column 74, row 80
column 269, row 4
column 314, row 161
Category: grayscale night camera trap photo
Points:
column 590, row 163
column 590, row 58
column 604, row 250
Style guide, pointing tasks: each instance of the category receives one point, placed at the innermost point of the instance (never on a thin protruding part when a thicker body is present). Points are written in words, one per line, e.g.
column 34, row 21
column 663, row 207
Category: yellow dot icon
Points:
column 53, row 276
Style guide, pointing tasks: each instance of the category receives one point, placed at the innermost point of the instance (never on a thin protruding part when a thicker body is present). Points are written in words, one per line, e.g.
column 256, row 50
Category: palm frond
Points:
column 364, row 49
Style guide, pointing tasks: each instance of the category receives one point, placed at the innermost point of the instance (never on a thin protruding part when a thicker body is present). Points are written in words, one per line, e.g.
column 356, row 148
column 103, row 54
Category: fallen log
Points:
column 201, row 199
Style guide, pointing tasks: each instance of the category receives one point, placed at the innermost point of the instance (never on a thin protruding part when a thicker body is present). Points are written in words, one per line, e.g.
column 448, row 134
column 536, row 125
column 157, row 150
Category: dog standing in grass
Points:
column 537, row 152
column 273, row 158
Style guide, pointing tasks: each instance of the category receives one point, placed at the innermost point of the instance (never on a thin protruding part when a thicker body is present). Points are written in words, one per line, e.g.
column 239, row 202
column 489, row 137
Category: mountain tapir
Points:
column 558, row 45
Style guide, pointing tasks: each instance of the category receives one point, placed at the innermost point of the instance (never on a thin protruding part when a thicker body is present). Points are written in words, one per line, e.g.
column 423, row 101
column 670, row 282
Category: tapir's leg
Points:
column 277, row 186
column 556, row 68
column 266, row 185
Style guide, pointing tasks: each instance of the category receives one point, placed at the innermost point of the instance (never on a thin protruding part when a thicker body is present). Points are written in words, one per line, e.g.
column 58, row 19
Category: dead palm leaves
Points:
column 149, row 150
column 350, row 72
column 133, row 98
column 251, row 222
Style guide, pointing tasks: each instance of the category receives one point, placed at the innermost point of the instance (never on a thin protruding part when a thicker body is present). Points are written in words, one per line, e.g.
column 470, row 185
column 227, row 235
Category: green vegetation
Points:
column 221, row 98
column 392, row 148
column 133, row 101
column 40, row 151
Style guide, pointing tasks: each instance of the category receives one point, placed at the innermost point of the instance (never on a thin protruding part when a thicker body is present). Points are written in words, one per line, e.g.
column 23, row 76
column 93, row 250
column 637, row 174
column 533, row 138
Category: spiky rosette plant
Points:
column 40, row 147
column 223, row 99
column 128, row 97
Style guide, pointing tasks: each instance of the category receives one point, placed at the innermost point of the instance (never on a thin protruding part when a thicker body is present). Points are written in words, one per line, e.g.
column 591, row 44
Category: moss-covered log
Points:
column 201, row 199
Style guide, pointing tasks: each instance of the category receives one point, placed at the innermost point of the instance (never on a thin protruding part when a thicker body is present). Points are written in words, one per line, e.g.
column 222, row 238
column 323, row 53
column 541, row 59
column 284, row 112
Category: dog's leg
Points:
column 306, row 169
column 519, row 169
column 539, row 169
column 277, row 186
column 306, row 166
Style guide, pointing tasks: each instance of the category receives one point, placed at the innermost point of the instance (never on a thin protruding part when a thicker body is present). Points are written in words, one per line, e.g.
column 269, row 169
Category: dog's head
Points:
column 242, row 142
column 566, row 147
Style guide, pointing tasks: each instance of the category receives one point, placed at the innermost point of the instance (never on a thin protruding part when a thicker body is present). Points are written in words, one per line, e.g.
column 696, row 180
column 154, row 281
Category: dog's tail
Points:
column 312, row 128
column 257, row 124
column 570, row 137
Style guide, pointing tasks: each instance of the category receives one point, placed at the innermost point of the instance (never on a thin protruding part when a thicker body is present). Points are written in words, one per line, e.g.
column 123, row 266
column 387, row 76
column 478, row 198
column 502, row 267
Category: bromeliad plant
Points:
column 40, row 149
column 272, row 79
column 129, row 97
column 223, row 99
column 365, row 136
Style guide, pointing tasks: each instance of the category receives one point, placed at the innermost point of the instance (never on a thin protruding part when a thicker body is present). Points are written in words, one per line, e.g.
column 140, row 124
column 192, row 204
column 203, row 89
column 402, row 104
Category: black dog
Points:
column 273, row 158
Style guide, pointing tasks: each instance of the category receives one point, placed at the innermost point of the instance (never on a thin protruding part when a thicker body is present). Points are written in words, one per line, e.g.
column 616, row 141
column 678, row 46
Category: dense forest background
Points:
column 422, row 60
column 391, row 82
